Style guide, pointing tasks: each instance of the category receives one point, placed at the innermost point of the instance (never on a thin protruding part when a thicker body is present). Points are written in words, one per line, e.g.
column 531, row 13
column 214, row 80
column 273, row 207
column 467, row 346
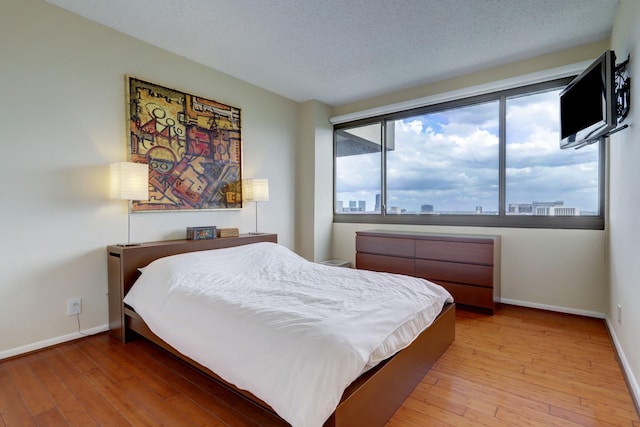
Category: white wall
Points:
column 62, row 122
column 624, row 202
column 489, row 76
column 314, row 213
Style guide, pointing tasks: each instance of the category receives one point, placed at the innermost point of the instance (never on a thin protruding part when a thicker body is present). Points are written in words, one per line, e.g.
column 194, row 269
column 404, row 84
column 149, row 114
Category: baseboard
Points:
column 628, row 373
column 559, row 309
column 52, row 341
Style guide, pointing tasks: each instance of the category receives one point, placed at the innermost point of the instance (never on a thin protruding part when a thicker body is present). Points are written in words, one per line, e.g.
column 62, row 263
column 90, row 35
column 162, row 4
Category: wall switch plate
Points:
column 74, row 306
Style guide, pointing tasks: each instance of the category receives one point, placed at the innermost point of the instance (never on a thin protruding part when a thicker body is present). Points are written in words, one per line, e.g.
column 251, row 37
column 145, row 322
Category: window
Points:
column 445, row 162
column 491, row 160
column 541, row 178
column 358, row 169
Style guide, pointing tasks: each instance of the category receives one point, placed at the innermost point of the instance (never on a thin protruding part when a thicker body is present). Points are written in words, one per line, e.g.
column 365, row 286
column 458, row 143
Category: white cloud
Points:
column 415, row 126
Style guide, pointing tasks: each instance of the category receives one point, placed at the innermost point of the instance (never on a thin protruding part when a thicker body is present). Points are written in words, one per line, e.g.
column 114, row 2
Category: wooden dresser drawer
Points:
column 467, row 265
column 387, row 264
column 474, row 296
column 386, row 246
column 472, row 253
column 480, row 275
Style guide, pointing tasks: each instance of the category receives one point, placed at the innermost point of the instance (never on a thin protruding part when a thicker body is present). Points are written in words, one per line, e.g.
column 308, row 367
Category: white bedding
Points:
column 292, row 332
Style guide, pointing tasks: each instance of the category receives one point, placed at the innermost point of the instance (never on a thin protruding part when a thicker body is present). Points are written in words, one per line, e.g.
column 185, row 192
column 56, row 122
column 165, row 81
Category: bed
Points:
column 372, row 390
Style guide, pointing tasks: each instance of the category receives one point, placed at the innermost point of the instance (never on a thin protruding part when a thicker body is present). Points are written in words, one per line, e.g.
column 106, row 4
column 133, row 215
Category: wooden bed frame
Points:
column 370, row 400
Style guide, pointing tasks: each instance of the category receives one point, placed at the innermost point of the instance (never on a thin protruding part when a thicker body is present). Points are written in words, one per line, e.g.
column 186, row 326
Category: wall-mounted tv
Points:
column 588, row 104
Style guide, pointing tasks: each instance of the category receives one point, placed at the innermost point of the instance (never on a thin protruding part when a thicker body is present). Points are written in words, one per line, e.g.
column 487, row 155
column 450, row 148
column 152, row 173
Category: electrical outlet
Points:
column 620, row 314
column 74, row 306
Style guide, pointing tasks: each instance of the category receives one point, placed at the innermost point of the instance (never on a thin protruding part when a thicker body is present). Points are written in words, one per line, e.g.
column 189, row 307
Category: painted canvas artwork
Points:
column 192, row 146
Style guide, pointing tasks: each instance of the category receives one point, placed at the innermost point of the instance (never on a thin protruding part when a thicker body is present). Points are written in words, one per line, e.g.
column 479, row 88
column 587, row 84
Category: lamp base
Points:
column 126, row 245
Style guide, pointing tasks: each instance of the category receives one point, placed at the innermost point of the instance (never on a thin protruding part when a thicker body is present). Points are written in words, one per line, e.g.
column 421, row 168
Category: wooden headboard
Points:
column 124, row 261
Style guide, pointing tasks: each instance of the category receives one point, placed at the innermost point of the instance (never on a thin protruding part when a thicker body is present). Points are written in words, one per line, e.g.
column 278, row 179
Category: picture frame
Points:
column 192, row 145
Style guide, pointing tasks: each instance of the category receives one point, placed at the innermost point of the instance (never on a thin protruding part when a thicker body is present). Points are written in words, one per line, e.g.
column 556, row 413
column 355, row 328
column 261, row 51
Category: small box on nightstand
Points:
column 228, row 232
column 201, row 233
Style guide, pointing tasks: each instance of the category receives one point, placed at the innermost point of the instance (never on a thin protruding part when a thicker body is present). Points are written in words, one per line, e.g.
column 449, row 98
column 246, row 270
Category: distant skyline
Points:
column 449, row 159
column 527, row 208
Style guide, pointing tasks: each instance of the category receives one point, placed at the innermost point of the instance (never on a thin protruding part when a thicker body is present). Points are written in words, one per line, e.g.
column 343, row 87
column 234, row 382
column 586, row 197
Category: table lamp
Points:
column 255, row 190
column 129, row 181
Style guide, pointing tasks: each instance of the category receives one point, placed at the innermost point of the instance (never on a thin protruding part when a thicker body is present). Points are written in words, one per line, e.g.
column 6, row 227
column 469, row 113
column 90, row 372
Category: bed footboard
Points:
column 374, row 397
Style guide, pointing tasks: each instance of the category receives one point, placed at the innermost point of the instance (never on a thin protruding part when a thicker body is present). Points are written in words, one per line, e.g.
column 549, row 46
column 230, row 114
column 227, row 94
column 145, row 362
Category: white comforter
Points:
column 292, row 332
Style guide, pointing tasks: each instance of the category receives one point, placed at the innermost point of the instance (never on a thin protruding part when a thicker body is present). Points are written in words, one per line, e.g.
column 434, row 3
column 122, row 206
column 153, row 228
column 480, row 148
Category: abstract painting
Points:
column 192, row 146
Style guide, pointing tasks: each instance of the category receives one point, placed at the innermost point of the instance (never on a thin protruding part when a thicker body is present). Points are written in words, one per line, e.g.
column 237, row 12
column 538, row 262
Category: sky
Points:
column 449, row 160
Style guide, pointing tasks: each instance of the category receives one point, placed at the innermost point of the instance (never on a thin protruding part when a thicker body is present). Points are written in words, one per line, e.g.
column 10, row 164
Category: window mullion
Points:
column 383, row 168
column 502, row 156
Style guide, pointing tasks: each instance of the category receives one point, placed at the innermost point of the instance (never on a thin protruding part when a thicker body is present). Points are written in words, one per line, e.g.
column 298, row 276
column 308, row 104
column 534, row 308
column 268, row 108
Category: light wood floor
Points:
column 520, row 367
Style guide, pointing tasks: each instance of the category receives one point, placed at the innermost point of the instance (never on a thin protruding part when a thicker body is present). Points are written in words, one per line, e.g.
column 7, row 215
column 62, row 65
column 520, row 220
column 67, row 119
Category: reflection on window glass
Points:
column 358, row 175
column 542, row 179
column 444, row 162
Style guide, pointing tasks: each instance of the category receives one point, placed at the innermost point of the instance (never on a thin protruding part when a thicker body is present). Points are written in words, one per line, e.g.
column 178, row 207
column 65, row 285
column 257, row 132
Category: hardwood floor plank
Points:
column 443, row 401
column 434, row 412
column 77, row 383
column 119, row 399
column 408, row 417
column 34, row 395
column 579, row 362
column 67, row 405
column 520, row 367
column 494, row 397
column 515, row 384
column 50, row 417
column 73, row 354
column 146, row 400
column 196, row 413
column 469, row 399
column 618, row 409
column 150, row 378
column 103, row 386
column 110, row 366
column 573, row 384
column 482, row 419
column 13, row 411
column 586, row 417
column 523, row 417
column 586, row 371
column 3, row 372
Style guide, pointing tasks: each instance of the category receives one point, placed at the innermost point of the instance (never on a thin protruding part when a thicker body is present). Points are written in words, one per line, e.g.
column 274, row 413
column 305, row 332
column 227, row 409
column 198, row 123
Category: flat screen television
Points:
column 588, row 104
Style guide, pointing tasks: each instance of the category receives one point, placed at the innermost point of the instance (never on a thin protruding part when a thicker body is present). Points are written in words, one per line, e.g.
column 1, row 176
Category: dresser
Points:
column 468, row 266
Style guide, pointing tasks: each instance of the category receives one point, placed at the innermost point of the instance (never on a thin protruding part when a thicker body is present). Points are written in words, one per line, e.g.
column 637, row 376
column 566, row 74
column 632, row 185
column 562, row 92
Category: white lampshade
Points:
column 130, row 181
column 255, row 190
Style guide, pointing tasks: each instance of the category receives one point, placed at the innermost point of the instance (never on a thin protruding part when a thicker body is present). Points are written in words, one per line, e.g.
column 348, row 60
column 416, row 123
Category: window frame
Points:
column 591, row 222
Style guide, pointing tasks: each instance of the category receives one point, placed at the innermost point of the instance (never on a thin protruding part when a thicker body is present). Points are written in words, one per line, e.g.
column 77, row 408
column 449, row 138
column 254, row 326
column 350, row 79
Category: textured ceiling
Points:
column 339, row 51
